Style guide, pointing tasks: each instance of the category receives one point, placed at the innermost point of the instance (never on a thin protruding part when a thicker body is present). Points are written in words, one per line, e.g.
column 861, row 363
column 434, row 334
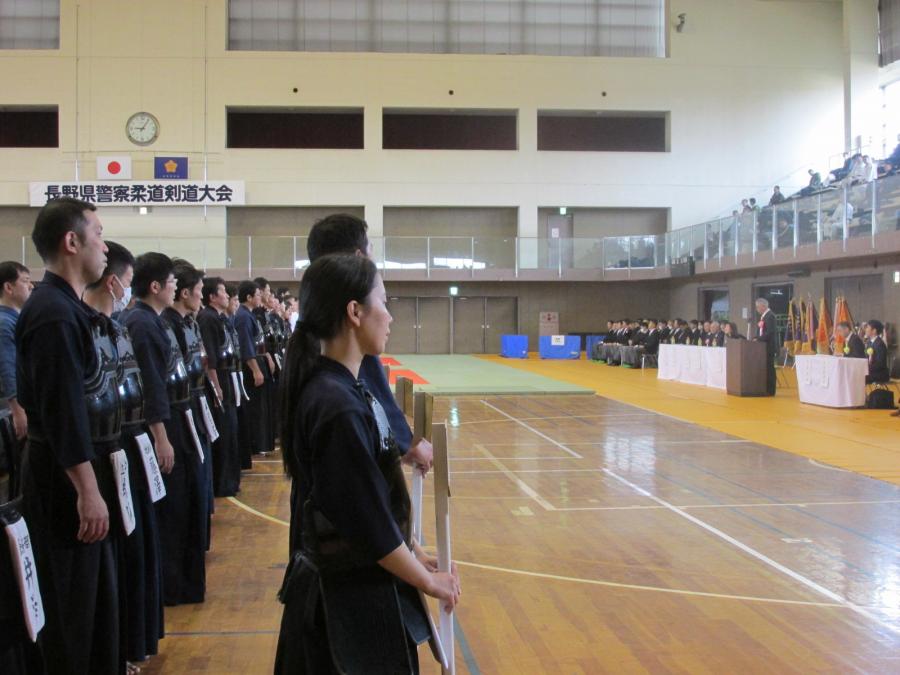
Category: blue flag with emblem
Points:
column 170, row 167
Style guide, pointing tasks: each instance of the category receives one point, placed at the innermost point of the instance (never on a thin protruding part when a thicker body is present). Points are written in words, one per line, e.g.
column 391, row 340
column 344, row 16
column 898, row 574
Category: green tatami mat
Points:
column 455, row 374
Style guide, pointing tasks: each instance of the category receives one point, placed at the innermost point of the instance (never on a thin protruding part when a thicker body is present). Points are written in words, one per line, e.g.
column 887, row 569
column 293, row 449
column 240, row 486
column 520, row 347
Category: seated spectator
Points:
column 891, row 163
column 777, row 197
column 869, row 169
column 731, row 331
column 665, row 330
column 877, row 353
column 652, row 339
column 716, row 335
column 844, row 171
column 745, row 206
column 694, row 336
column 753, row 205
column 833, row 225
column 704, row 334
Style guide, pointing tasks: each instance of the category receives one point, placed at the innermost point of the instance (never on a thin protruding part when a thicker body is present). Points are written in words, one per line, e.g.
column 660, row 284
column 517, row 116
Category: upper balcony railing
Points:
column 847, row 220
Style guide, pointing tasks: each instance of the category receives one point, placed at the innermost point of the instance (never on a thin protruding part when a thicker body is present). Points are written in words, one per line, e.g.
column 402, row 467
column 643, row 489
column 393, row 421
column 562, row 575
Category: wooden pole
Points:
column 403, row 392
column 424, row 409
column 442, row 518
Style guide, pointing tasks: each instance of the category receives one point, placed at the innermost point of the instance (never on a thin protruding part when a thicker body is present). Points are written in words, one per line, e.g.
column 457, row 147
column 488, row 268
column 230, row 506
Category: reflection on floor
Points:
column 594, row 536
column 864, row 441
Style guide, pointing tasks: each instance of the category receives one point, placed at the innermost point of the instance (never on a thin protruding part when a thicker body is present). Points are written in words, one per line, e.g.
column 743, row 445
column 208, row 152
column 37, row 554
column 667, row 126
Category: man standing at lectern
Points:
column 767, row 331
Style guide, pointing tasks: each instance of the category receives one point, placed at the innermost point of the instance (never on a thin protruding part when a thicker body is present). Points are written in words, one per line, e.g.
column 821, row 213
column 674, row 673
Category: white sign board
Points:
column 142, row 193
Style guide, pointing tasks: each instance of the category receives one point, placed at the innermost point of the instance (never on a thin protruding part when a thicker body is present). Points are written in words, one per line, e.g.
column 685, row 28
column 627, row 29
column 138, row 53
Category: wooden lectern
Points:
column 745, row 368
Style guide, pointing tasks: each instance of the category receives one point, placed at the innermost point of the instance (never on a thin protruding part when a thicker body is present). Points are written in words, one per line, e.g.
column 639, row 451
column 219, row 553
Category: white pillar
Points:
column 861, row 100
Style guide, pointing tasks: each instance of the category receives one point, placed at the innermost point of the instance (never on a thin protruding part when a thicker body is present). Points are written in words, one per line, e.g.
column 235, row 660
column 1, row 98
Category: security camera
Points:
column 681, row 20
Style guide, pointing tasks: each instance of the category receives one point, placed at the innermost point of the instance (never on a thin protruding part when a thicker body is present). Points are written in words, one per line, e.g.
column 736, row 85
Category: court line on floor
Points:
column 752, row 552
column 522, row 485
column 534, row 431
column 595, row 582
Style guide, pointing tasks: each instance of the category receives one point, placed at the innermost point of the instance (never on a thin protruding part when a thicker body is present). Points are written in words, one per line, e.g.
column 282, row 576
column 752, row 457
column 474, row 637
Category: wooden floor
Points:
column 596, row 537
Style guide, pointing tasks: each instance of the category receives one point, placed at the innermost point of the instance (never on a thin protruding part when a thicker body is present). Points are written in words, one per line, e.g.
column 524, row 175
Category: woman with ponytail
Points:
column 350, row 590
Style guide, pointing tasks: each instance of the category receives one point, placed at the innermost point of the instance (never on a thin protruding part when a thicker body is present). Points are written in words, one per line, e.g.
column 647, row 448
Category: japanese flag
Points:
column 116, row 167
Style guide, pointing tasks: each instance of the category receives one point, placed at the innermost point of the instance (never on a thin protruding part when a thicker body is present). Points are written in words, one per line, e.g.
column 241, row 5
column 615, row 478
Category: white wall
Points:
column 754, row 89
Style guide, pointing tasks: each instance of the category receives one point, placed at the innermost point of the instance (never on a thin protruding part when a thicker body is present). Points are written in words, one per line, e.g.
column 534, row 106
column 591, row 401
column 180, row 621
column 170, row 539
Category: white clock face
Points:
column 142, row 128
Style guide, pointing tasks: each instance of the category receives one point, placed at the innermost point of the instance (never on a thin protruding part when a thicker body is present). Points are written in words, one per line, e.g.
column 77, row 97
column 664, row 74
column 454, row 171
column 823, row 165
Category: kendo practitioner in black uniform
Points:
column 140, row 574
column 254, row 416
column 66, row 383
column 269, row 365
column 222, row 361
column 767, row 331
column 342, row 233
column 181, row 316
column 182, row 515
column 350, row 597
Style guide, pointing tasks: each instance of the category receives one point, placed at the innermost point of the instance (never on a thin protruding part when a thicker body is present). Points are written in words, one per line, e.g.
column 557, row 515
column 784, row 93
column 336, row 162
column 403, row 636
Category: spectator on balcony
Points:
column 846, row 169
column 753, row 205
column 745, row 206
column 777, row 197
column 834, row 223
column 870, row 169
column 891, row 163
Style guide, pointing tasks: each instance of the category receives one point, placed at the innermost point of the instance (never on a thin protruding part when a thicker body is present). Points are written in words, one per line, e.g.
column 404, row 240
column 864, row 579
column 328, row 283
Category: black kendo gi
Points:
column 66, row 380
column 182, row 514
column 272, row 348
column 276, row 332
column 141, row 575
column 18, row 656
column 187, row 334
column 253, row 417
column 344, row 612
column 223, row 359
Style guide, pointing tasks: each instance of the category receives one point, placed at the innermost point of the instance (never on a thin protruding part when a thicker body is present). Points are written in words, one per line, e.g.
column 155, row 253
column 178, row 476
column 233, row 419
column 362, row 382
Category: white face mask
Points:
column 119, row 304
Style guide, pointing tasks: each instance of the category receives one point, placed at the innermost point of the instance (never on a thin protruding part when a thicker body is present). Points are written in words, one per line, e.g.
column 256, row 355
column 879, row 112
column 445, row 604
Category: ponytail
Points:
column 329, row 284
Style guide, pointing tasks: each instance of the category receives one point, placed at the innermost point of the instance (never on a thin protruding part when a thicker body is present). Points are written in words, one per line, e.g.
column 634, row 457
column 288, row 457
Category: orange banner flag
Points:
column 825, row 329
column 841, row 313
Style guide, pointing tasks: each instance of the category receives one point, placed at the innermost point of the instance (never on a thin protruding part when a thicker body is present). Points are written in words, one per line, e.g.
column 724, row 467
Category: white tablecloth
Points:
column 692, row 365
column 832, row 381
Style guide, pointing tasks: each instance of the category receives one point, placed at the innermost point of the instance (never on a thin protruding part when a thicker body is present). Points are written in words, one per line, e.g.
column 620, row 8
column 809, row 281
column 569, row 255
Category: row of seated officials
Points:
column 649, row 333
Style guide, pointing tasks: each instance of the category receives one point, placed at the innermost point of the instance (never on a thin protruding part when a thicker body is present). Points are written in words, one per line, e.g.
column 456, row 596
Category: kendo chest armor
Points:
column 195, row 359
column 177, row 382
column 227, row 358
column 128, row 376
column 232, row 337
column 101, row 385
column 259, row 338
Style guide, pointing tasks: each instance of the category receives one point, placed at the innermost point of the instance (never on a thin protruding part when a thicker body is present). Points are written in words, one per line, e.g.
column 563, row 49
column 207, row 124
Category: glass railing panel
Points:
column 807, row 220
column 672, row 245
column 684, row 242
column 764, row 230
column 642, row 252
column 237, row 253
column 887, row 204
column 615, row 252
column 698, row 241
column 301, row 257
column 271, row 253
column 859, row 203
column 452, row 253
column 713, row 234
column 495, row 253
column 745, row 234
column 587, row 253
column 405, row 253
column 783, row 215
column 661, row 251
column 832, row 214
column 728, row 232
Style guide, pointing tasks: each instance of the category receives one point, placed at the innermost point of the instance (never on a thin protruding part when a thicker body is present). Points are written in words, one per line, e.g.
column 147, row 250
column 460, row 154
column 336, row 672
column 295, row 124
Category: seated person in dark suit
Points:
column 638, row 333
column 704, row 334
column 716, row 336
column 694, row 337
column 877, row 353
column 651, row 342
column 665, row 330
column 854, row 347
